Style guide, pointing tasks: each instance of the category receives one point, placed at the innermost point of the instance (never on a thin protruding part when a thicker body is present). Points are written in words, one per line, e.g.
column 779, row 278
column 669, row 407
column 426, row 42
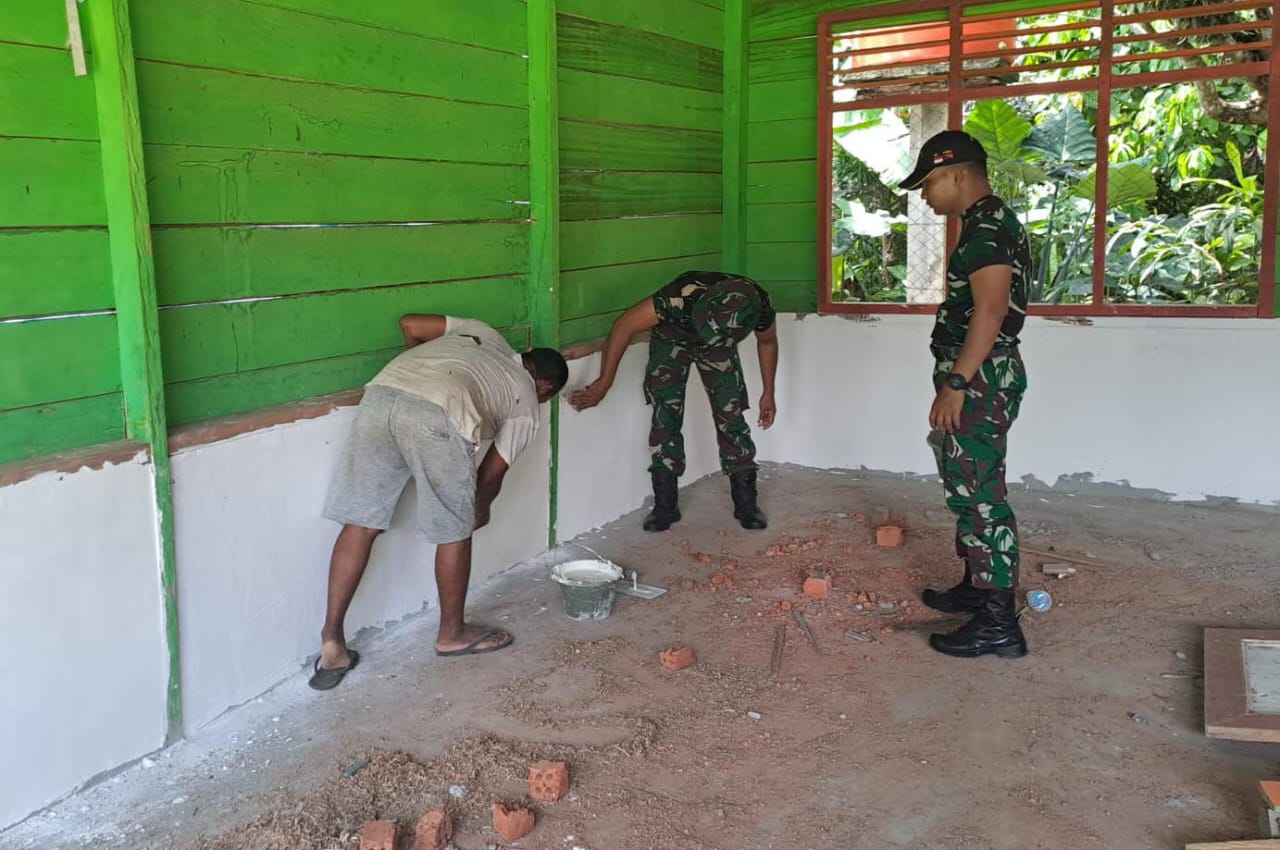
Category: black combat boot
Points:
column 964, row 598
column 666, row 508
column 993, row 630
column 742, row 485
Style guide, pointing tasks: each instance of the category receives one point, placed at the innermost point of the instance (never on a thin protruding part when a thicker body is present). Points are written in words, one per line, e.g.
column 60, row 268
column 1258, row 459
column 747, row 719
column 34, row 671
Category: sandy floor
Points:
column 1093, row 741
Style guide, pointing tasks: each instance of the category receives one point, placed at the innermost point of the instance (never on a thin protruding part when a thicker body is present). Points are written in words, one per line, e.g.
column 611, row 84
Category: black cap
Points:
column 950, row 147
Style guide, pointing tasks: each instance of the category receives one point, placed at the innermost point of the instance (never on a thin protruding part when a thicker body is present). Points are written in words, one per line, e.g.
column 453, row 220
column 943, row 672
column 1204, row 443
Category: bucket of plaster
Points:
column 586, row 588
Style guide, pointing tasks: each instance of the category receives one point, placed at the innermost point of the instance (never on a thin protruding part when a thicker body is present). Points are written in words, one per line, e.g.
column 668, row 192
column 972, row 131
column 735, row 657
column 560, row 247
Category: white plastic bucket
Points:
column 586, row 588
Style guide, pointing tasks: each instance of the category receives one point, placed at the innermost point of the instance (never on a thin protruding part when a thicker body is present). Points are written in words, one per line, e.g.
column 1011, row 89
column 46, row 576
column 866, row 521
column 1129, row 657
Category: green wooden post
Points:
column 133, row 276
column 734, row 167
column 544, row 207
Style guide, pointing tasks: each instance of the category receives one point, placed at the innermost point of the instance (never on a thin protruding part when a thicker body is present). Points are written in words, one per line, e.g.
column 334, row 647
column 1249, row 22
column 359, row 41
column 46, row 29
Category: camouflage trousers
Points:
column 971, row 463
column 671, row 357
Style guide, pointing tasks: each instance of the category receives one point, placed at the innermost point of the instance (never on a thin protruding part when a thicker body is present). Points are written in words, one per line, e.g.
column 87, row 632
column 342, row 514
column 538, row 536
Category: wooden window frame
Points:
column 956, row 95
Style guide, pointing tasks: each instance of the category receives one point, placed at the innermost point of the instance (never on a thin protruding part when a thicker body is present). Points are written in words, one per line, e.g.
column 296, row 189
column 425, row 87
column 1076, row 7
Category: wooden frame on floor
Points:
column 1228, row 712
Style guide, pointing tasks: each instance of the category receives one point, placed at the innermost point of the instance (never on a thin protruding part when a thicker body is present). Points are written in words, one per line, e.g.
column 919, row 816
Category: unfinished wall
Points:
column 80, row 621
column 640, row 151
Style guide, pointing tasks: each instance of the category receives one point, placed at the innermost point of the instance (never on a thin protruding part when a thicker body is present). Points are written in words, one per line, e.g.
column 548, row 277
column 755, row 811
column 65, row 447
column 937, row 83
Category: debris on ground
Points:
column 512, row 822
column 548, row 781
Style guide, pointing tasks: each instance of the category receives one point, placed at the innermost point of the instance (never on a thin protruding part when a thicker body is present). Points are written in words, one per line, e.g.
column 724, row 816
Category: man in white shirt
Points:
column 424, row 415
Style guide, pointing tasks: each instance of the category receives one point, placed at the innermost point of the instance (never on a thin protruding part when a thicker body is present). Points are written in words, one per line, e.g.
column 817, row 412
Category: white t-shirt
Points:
column 477, row 379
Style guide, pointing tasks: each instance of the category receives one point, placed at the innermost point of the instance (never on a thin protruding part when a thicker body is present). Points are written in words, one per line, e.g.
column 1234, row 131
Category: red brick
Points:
column 548, row 781
column 677, row 657
column 435, row 828
column 1270, row 792
column 720, row 581
column 512, row 823
column 817, row 586
column 888, row 537
column 378, row 835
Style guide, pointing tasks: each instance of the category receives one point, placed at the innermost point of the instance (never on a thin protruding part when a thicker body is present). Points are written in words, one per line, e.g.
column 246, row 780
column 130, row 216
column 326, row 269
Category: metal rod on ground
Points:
column 779, row 641
column 804, row 627
column 1062, row 556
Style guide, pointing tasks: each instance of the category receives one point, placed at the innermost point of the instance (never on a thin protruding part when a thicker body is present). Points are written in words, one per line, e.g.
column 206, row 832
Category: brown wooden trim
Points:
column 94, row 457
column 226, row 427
column 579, row 350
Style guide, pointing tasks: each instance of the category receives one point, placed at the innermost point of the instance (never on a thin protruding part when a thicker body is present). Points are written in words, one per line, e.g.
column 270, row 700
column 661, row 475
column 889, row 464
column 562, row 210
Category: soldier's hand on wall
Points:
column 590, row 395
column 768, row 410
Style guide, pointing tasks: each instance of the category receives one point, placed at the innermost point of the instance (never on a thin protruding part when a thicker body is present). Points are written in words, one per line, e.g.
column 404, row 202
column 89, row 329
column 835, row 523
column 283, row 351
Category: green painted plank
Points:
column 47, row 183
column 782, row 182
column 58, row 359
column 496, row 24
column 780, row 101
column 203, row 186
column 791, row 59
column 600, row 97
column 794, row 18
column 261, row 39
column 783, row 222
column 796, row 138
column 734, row 152
column 48, row 428
column 215, row 263
column 209, row 398
column 217, row 339
column 40, row 97
column 782, row 260
column 218, row 108
column 587, row 328
column 35, row 22
column 593, row 291
column 617, row 146
column 43, row 272
column 684, row 20
column 592, row 46
column 612, row 194
column 587, row 244
column 792, row 296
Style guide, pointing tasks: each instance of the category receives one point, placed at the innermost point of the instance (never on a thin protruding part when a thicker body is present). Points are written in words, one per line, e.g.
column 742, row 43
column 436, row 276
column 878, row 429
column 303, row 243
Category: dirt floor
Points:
column 1095, row 740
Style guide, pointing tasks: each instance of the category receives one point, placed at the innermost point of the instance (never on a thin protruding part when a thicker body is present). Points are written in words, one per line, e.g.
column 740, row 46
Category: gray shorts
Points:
column 397, row 435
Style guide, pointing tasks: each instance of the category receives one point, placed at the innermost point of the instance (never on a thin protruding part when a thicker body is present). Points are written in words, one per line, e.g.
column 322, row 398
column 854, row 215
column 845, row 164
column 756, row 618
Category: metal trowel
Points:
column 629, row 585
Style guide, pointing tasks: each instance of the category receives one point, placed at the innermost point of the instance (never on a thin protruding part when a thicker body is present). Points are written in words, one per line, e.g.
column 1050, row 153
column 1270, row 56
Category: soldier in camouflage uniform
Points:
column 697, row 320
column 979, row 381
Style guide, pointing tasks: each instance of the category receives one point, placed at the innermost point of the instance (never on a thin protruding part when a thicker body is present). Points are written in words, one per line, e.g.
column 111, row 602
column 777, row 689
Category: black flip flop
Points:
column 470, row 649
column 325, row 680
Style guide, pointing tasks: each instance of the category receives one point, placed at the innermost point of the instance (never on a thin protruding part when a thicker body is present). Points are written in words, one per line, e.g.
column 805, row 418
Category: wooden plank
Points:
column 1265, row 844
column 777, row 61
column 599, row 97
column 574, row 331
column 734, row 154
column 612, row 194
column 586, row 244
column 792, row 296
column 621, row 146
column 782, row 260
column 218, row 108
column 782, row 182
column 1227, row 684
column 268, row 40
column 203, row 186
column 780, row 101
column 795, row 18
column 796, row 222
column 50, row 184
column 683, row 20
column 612, row 288
column 544, row 186
column 35, row 22
column 54, row 271
column 38, row 97
column 795, row 138
column 217, row 339
column 47, row 428
column 221, row 263
column 496, row 24
column 58, row 359
column 586, row 45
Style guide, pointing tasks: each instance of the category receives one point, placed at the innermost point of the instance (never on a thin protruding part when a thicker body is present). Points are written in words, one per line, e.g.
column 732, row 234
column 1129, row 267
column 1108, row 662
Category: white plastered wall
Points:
column 254, row 551
column 85, row 661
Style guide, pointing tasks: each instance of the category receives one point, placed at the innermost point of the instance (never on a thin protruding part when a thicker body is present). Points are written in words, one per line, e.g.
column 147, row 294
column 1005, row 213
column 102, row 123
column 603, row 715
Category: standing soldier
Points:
column 698, row 319
column 979, row 379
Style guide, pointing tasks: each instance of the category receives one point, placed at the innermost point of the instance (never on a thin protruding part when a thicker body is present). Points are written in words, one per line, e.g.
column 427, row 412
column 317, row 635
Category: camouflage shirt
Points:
column 714, row 307
column 990, row 235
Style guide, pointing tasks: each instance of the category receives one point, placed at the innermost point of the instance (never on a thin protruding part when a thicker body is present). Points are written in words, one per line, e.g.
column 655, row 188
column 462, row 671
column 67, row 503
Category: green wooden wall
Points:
column 640, row 151
column 60, row 376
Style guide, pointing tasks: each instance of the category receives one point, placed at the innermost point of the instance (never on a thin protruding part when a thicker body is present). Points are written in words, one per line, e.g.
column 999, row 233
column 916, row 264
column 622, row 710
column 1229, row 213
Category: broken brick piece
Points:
column 548, row 781
column 677, row 657
column 378, row 835
column 720, row 580
column 703, row 558
column 888, row 537
column 512, row 823
column 728, row 566
column 784, row 606
column 435, row 828
column 817, row 585
column 1270, row 792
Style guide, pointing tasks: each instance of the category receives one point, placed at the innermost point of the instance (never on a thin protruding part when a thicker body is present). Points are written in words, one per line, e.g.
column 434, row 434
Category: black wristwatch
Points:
column 957, row 381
